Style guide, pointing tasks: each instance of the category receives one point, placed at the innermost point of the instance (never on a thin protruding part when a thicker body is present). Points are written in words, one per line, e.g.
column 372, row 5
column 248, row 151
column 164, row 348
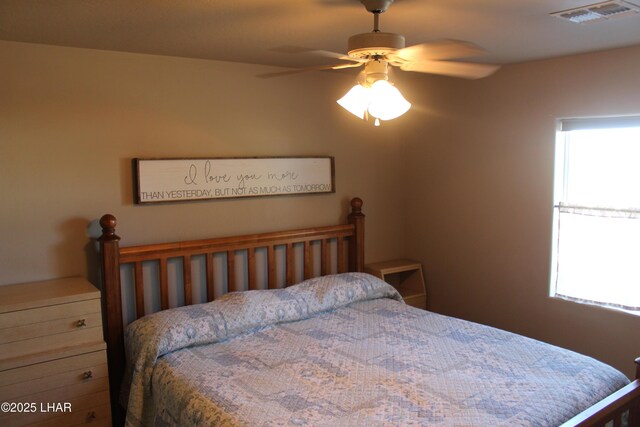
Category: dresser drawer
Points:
column 47, row 343
column 40, row 377
column 87, row 409
column 65, row 394
column 96, row 416
column 52, row 367
column 45, row 328
column 53, row 327
column 22, row 318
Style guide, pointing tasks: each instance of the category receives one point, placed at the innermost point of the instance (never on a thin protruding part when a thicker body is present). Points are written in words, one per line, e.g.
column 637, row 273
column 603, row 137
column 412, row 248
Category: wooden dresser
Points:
column 53, row 361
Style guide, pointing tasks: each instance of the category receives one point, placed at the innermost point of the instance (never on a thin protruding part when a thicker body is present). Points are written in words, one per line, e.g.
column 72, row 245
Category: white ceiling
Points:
column 249, row 30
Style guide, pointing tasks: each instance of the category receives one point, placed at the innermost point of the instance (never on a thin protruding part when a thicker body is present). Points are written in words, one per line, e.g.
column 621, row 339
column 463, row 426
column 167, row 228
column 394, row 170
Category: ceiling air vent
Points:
column 599, row 12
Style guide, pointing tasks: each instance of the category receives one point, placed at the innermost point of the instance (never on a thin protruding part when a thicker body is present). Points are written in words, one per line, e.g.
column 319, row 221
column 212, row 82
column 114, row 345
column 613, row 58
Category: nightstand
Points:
column 406, row 276
column 53, row 361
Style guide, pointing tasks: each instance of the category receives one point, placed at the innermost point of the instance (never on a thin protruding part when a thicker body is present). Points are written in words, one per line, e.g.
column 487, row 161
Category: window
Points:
column 596, row 236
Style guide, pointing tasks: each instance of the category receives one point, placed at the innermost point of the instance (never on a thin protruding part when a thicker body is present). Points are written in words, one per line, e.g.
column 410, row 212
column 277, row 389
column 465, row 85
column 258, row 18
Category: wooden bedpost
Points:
column 634, row 410
column 112, row 306
column 356, row 244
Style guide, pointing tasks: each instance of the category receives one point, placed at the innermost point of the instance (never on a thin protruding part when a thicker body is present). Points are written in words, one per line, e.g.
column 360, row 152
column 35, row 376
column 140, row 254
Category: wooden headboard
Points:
column 349, row 240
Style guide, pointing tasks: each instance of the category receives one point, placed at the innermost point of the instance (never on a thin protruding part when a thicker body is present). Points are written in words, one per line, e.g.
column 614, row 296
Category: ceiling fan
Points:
column 374, row 96
column 389, row 49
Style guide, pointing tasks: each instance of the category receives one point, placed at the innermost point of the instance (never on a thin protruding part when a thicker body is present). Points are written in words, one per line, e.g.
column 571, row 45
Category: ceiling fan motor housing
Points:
column 375, row 44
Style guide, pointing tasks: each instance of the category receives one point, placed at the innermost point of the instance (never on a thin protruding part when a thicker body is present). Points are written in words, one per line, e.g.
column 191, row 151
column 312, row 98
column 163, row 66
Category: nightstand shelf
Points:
column 406, row 276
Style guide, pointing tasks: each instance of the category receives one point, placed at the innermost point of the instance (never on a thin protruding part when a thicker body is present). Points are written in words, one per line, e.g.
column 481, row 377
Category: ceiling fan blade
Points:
column 336, row 55
column 304, row 70
column 316, row 52
column 352, row 65
column 467, row 70
column 442, row 49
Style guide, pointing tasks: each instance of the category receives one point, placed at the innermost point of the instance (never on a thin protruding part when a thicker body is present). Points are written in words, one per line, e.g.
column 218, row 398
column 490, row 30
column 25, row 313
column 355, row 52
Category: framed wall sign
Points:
column 175, row 180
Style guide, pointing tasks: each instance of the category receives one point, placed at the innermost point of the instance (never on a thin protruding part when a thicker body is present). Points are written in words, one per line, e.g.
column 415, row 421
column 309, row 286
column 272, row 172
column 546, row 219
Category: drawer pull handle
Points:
column 87, row 375
column 81, row 323
column 91, row 416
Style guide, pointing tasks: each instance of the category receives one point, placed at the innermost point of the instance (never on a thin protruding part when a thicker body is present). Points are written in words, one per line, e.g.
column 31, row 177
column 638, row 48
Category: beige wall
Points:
column 71, row 120
column 480, row 217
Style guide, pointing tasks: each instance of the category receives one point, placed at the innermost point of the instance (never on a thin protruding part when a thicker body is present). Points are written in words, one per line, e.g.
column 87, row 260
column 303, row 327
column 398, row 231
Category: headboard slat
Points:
column 164, row 284
column 251, row 268
column 186, row 280
column 271, row 268
column 308, row 260
column 289, row 281
column 139, row 281
column 231, row 271
column 341, row 256
column 209, row 273
column 324, row 257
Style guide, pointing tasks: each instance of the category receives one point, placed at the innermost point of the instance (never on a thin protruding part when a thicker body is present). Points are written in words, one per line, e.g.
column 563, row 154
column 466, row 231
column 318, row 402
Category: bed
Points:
column 338, row 349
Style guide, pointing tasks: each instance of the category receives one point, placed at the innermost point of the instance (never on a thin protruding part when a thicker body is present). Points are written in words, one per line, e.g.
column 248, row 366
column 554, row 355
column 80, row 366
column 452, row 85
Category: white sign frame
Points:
column 179, row 180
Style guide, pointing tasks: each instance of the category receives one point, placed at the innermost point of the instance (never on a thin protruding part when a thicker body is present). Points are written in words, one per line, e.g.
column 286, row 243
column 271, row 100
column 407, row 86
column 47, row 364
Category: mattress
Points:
column 345, row 350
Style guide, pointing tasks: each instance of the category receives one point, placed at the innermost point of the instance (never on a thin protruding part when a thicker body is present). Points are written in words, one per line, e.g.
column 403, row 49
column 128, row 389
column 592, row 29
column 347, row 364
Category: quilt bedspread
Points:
column 345, row 351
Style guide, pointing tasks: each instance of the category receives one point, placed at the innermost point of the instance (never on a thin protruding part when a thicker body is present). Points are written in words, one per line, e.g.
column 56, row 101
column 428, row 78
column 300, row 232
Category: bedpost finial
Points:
column 108, row 223
column 356, row 205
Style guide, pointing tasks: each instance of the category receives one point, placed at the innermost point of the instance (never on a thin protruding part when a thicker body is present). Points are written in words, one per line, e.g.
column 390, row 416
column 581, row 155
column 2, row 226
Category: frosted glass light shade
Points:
column 382, row 101
column 356, row 101
column 386, row 102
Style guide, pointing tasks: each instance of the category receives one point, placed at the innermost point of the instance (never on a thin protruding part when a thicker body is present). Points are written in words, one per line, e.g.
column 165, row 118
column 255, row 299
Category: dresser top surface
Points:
column 25, row 296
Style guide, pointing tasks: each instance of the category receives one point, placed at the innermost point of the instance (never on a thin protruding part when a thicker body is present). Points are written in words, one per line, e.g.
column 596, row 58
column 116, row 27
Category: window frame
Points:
column 560, row 192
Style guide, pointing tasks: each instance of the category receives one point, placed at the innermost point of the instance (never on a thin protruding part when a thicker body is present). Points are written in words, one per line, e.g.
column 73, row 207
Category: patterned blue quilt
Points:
column 344, row 350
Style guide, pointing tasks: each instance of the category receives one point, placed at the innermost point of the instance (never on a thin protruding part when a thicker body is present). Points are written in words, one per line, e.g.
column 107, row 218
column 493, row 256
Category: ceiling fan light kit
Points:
column 373, row 95
column 382, row 101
